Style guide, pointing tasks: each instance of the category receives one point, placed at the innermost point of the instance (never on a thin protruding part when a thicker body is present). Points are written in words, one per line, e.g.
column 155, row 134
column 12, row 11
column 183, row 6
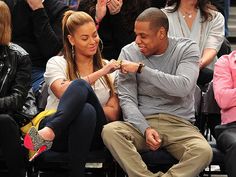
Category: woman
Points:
column 224, row 86
column 15, row 78
column 81, row 92
column 199, row 21
column 116, row 21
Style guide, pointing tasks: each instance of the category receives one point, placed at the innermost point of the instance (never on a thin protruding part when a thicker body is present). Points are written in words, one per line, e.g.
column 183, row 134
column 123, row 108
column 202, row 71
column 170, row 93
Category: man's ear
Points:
column 71, row 39
column 162, row 33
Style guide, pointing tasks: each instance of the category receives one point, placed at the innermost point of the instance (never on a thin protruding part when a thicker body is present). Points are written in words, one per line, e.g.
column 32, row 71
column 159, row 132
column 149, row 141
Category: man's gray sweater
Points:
column 166, row 84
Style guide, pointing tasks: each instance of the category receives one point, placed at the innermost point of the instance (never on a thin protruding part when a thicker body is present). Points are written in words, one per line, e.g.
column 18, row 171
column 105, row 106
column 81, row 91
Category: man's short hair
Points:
column 156, row 17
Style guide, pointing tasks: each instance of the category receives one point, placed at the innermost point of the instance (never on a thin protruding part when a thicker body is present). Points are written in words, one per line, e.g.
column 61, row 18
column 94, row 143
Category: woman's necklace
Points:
column 182, row 31
column 188, row 14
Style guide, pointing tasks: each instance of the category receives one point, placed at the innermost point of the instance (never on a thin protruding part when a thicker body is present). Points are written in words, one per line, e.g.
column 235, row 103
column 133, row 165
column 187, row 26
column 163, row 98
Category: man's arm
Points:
column 127, row 91
column 128, row 96
column 183, row 81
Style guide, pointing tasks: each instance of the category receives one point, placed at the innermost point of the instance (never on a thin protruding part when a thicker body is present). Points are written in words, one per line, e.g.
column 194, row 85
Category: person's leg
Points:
column 77, row 139
column 185, row 143
column 124, row 142
column 10, row 145
column 226, row 142
column 80, row 117
column 37, row 78
column 72, row 103
column 81, row 133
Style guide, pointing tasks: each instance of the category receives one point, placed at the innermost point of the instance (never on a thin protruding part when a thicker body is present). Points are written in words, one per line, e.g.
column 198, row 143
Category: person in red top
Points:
column 224, row 85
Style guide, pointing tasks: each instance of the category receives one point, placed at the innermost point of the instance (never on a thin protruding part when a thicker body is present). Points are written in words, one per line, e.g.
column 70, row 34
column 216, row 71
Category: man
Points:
column 37, row 28
column 224, row 86
column 157, row 100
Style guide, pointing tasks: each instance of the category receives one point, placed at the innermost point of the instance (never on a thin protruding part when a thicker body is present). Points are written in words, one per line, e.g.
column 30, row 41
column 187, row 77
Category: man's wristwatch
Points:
column 140, row 67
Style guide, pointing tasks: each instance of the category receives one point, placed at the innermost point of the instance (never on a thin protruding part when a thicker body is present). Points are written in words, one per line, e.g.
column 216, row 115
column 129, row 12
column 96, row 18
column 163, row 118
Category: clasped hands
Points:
column 123, row 65
column 114, row 7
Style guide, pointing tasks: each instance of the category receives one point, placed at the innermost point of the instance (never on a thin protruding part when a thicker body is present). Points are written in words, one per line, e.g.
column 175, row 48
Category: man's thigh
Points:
column 130, row 133
column 178, row 135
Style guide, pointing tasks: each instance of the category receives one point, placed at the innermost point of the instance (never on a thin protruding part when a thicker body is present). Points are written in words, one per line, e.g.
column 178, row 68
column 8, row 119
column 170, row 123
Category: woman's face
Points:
column 85, row 39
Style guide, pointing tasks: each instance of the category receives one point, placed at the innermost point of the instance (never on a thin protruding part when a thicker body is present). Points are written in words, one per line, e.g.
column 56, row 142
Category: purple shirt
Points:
column 224, row 84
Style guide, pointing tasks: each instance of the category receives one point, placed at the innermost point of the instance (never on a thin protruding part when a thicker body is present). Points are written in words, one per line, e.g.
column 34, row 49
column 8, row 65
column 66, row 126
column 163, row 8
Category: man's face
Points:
column 147, row 39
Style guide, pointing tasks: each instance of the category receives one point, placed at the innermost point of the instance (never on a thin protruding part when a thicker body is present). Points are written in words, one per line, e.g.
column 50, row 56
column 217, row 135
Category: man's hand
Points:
column 35, row 4
column 153, row 140
column 128, row 66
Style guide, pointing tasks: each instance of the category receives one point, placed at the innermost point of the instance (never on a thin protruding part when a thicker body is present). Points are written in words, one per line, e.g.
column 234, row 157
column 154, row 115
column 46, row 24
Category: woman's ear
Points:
column 71, row 39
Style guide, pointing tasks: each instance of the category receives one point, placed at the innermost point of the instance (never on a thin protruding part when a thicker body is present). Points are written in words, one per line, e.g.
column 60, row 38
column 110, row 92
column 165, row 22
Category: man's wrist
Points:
column 145, row 133
column 140, row 67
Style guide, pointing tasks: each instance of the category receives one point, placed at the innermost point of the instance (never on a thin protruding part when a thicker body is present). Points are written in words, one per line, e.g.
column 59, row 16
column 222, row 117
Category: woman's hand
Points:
column 114, row 6
column 128, row 66
column 101, row 10
column 111, row 66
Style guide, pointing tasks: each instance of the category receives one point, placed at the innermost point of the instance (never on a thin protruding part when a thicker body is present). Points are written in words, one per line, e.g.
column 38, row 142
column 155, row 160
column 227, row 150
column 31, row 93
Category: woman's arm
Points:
column 112, row 108
column 207, row 57
column 59, row 86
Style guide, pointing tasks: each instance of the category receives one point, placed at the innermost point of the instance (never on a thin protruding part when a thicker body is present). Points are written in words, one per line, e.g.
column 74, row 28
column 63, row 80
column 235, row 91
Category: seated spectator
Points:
column 157, row 100
column 116, row 22
column 224, row 85
column 223, row 7
column 37, row 28
column 15, row 75
column 199, row 21
column 81, row 91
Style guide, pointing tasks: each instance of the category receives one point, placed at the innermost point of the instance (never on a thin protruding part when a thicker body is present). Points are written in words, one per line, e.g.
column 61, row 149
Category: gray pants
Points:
column 179, row 137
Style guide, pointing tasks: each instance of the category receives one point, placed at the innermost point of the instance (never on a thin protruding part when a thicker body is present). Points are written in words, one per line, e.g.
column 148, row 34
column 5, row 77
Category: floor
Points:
column 214, row 168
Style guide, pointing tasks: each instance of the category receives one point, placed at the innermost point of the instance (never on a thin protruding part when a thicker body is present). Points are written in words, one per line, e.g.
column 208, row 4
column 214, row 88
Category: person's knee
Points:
column 232, row 148
column 110, row 131
column 80, row 82
column 205, row 152
column 88, row 112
